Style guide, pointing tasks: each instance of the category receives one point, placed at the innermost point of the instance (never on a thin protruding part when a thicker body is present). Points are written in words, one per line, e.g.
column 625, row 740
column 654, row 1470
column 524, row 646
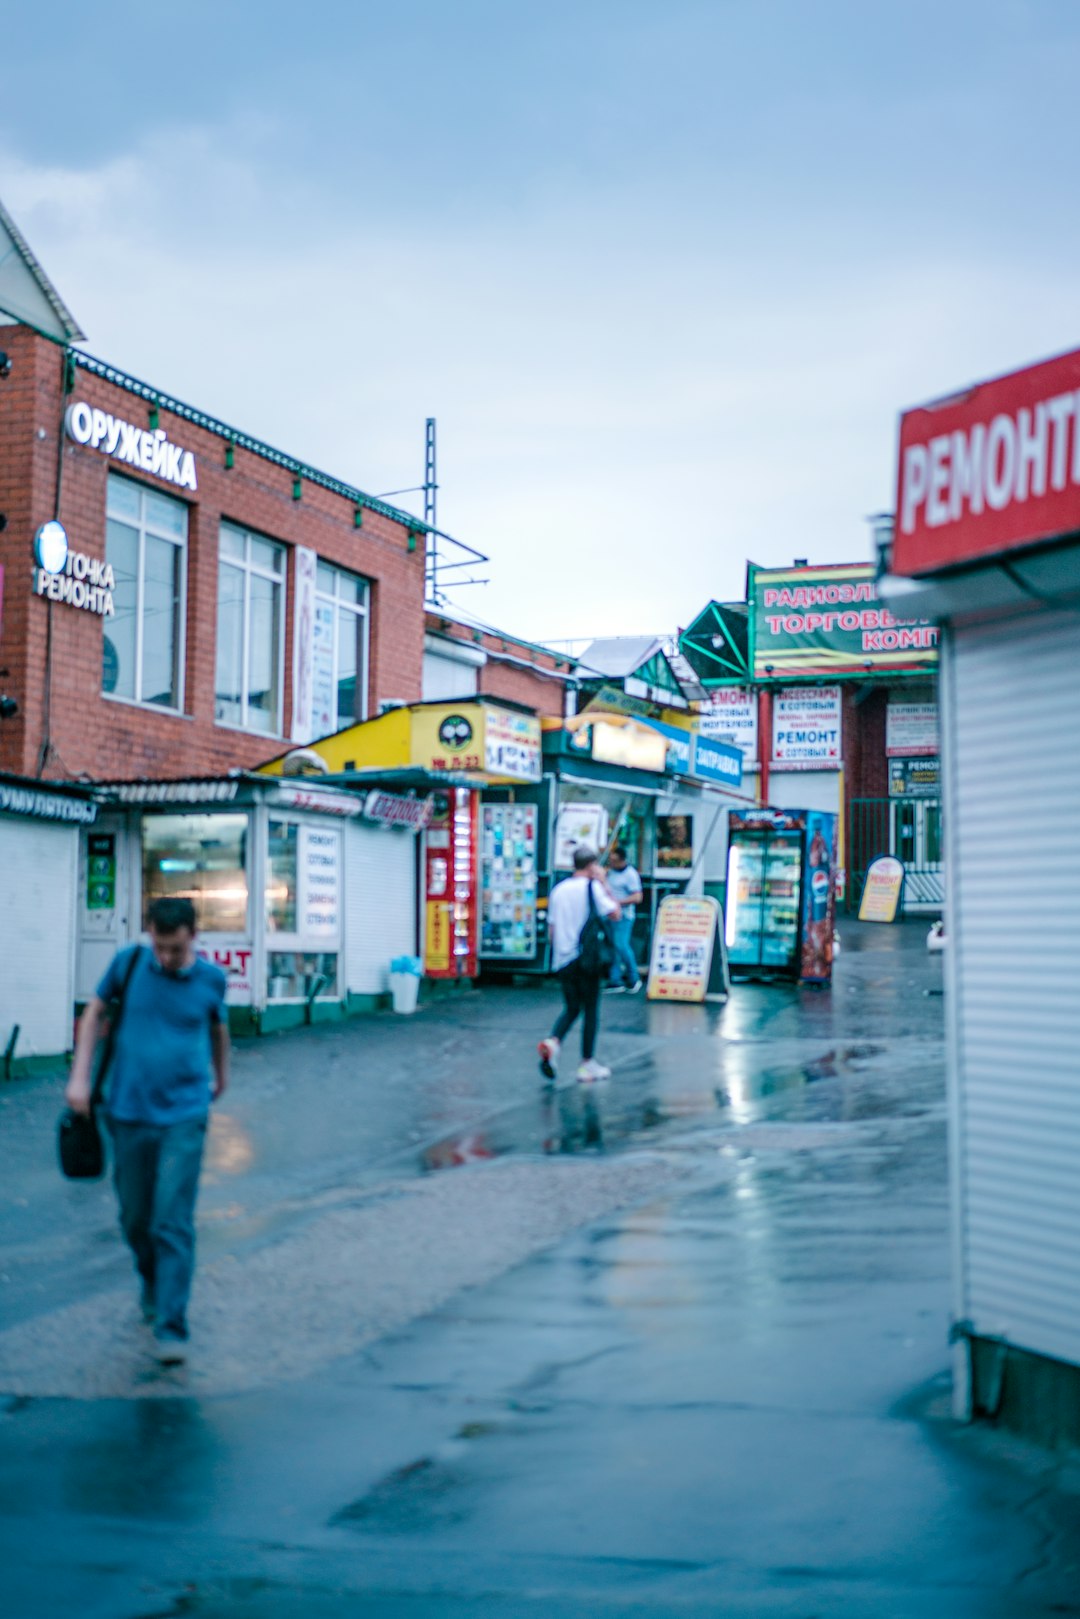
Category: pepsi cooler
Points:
column 780, row 903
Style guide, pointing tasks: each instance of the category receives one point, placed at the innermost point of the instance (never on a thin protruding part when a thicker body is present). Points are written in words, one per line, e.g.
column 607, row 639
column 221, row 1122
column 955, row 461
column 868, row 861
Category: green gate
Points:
column 910, row 829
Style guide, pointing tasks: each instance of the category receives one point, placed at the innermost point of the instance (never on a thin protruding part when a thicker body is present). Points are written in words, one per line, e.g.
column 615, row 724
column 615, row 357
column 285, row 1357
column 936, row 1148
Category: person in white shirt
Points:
column 624, row 885
column 568, row 912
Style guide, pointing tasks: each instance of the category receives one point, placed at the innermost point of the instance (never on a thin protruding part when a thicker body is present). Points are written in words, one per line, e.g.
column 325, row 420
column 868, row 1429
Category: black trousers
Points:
column 581, row 994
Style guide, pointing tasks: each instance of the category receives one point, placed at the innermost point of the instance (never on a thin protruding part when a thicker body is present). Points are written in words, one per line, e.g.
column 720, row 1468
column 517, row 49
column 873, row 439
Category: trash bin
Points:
column 405, row 975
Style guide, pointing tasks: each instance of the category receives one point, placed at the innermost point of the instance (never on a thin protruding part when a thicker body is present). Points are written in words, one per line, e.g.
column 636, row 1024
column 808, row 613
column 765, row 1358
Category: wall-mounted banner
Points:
column 991, row 469
column 809, row 622
column 721, row 762
column 911, row 730
column 391, row 809
column 730, row 715
column 807, row 728
column 915, row 778
column 149, row 451
column 512, row 744
column 303, row 729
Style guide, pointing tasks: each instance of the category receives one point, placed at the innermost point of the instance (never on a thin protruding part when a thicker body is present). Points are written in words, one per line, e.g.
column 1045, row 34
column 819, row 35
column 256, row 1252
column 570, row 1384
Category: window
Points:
column 146, row 543
column 248, row 684
column 202, row 858
column 303, row 906
column 339, row 684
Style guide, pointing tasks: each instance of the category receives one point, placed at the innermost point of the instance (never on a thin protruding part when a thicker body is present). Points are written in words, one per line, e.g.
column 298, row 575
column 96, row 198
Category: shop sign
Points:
column 175, row 792
column 915, row 778
column 448, row 737
column 147, row 450
column 235, row 962
column 630, row 745
column 43, row 806
column 71, row 576
column 390, row 809
column 881, row 893
column 911, row 730
column 991, row 469
column 687, row 961
column 807, row 728
column 512, row 744
column 730, row 715
column 101, row 871
column 319, row 882
column 321, row 802
column 717, row 761
column 829, row 621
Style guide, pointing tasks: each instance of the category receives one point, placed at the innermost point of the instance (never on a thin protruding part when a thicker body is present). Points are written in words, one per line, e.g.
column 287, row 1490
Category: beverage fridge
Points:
column 780, row 900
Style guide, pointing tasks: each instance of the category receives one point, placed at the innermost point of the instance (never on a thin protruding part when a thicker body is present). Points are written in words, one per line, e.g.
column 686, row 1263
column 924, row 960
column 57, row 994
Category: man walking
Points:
column 570, row 905
column 172, row 1031
column 624, row 885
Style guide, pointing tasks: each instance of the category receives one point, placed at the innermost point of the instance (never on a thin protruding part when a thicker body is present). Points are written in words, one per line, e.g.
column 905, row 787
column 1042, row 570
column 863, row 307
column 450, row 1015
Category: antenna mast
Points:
column 430, row 491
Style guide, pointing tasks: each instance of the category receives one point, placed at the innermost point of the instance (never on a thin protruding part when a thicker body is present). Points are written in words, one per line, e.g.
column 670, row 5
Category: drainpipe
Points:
column 764, row 725
column 9, row 1054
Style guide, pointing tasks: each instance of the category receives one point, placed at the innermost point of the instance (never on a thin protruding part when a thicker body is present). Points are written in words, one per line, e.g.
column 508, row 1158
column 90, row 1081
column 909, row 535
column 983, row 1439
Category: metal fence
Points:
column 910, row 829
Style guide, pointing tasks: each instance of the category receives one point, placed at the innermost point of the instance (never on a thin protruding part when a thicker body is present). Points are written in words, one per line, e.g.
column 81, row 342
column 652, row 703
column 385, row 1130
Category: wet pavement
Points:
column 469, row 1346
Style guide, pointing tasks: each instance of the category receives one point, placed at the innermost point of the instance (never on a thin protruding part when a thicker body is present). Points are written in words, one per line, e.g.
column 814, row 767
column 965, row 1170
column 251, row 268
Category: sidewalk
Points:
column 679, row 1347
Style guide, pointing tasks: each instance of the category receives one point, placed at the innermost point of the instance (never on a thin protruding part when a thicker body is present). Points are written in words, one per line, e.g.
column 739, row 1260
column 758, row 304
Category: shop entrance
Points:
column 910, row 829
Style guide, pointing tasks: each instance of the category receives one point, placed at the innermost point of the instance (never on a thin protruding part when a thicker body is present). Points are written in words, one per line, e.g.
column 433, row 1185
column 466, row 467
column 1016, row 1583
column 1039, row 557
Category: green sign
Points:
column 101, row 871
column 828, row 622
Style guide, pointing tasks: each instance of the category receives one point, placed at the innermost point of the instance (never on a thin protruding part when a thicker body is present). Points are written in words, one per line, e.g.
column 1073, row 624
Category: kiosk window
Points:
column 281, row 877
column 202, row 858
column 146, row 543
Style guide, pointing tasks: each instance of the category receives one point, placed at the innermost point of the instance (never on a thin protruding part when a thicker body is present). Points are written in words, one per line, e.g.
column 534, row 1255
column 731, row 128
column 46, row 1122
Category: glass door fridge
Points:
column 764, row 893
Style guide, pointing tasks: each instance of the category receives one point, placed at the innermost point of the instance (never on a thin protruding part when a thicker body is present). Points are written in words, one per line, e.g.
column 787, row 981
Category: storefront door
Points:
column 102, row 906
column 916, row 840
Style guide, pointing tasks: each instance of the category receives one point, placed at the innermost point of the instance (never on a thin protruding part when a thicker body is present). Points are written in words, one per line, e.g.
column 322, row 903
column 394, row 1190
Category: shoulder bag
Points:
column 78, row 1137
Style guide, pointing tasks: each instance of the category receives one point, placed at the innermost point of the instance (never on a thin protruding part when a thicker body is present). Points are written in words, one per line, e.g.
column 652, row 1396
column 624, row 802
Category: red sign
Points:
column 990, row 470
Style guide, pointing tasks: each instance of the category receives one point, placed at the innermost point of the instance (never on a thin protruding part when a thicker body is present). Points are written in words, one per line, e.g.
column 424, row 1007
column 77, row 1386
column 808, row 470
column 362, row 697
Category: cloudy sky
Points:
column 665, row 273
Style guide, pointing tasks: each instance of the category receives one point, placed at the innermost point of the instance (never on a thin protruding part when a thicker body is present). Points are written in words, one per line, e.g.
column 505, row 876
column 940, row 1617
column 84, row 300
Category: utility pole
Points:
column 430, row 491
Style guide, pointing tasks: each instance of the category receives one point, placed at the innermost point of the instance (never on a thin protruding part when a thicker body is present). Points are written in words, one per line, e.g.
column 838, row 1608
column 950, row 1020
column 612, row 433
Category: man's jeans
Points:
column 624, row 965
column 156, row 1169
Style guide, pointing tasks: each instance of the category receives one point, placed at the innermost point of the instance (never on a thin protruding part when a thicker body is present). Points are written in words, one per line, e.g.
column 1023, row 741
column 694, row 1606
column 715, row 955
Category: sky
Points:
column 665, row 274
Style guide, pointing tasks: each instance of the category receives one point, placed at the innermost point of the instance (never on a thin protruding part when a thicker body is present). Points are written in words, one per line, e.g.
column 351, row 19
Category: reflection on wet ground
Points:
column 652, row 1090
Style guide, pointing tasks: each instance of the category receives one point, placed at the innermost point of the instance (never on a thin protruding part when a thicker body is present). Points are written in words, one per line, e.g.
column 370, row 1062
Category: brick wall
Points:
column 515, row 670
column 95, row 735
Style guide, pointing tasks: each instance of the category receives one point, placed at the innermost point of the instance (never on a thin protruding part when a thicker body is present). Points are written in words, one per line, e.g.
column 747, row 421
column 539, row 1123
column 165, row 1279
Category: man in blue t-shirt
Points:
column 172, row 1033
column 624, row 884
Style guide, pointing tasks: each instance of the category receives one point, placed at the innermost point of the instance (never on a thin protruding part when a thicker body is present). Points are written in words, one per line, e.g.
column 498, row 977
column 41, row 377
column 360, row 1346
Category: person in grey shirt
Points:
column 624, row 884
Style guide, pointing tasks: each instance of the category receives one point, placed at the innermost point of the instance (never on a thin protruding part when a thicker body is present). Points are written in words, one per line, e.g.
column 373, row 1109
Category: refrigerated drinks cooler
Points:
column 780, row 901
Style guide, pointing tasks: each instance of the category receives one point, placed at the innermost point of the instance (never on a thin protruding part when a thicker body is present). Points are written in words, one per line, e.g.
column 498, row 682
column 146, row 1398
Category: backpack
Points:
column 596, row 948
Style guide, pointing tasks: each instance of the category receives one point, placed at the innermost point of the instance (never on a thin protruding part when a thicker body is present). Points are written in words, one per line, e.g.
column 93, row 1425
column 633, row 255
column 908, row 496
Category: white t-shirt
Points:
column 568, row 911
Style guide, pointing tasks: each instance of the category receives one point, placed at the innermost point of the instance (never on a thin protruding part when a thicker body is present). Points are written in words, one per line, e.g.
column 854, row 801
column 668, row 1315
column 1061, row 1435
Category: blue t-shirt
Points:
column 621, row 884
column 160, row 1071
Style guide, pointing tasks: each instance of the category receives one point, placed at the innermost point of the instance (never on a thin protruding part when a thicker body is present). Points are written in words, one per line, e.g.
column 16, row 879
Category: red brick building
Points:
column 463, row 659
column 217, row 598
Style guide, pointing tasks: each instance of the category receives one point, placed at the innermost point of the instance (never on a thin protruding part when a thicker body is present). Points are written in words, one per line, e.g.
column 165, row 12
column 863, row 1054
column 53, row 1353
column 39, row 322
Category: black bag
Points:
column 78, row 1136
column 596, row 947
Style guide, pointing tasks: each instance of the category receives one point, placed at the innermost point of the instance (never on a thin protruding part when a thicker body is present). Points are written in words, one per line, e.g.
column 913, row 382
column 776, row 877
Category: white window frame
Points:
column 143, row 527
column 248, row 568
column 359, row 610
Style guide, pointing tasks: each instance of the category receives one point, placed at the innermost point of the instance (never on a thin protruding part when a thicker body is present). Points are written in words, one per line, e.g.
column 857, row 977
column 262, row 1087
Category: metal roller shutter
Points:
column 380, row 904
column 1014, row 843
column 37, row 933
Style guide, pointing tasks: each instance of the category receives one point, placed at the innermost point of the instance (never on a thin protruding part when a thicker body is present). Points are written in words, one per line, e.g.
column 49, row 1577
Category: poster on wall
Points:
column 319, row 882
column 730, row 715
column 324, row 719
column 576, row 824
column 512, row 744
column 303, row 633
column 101, row 871
column 674, row 842
column 688, row 961
column 911, row 730
column 807, row 728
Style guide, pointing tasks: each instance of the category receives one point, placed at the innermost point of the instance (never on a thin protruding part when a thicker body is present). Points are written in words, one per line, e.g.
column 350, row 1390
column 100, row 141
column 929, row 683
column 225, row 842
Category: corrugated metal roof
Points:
column 619, row 656
column 26, row 293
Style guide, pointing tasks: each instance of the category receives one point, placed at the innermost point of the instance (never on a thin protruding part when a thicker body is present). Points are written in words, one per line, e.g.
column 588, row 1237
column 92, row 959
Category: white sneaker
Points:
column 170, row 1351
column 549, row 1056
column 591, row 1071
